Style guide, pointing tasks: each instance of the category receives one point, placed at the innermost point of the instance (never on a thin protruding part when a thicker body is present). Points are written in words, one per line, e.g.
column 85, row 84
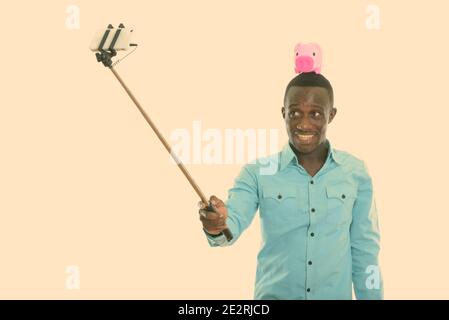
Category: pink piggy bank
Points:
column 308, row 57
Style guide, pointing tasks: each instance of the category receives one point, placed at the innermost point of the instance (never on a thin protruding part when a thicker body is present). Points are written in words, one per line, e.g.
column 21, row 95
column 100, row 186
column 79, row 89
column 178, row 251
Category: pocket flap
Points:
column 341, row 191
column 280, row 193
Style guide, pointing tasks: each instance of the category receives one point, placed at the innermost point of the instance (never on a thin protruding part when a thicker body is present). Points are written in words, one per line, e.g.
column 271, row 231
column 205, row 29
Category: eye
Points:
column 316, row 114
column 313, row 54
column 293, row 114
column 297, row 53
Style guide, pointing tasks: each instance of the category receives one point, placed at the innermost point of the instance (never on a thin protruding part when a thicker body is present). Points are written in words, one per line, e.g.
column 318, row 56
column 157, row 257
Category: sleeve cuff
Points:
column 218, row 240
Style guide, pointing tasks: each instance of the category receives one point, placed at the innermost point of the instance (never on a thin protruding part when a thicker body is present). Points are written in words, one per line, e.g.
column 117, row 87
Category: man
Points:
column 317, row 211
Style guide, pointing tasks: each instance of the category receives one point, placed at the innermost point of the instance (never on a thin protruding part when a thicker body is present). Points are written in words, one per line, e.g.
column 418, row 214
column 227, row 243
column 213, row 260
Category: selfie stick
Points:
column 104, row 56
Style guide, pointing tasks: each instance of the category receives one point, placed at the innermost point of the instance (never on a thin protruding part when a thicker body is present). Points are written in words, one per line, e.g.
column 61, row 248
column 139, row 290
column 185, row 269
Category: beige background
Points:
column 85, row 182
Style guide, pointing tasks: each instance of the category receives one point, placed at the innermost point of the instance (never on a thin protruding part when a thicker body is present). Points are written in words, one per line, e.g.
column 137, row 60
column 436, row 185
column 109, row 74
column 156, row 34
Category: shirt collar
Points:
column 287, row 155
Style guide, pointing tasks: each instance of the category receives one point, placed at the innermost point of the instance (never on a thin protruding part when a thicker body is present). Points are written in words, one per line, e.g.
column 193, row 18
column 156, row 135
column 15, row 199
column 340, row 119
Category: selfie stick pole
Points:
column 105, row 56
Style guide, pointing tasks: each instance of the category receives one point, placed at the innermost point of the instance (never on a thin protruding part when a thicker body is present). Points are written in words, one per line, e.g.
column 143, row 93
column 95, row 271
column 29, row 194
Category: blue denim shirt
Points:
column 320, row 234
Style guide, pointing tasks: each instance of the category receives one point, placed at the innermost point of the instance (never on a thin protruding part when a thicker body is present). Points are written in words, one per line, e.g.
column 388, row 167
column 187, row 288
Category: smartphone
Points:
column 122, row 43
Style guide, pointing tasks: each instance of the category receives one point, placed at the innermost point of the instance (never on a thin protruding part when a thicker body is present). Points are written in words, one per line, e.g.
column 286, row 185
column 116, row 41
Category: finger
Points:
column 214, row 231
column 211, row 224
column 209, row 215
column 218, row 229
column 202, row 213
column 218, row 203
column 214, row 200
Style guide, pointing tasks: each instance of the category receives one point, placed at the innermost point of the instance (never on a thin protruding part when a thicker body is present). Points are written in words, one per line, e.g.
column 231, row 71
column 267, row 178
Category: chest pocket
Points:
column 280, row 207
column 340, row 201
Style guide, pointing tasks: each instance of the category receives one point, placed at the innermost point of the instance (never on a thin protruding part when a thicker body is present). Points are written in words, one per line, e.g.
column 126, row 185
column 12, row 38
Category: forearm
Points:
column 365, row 243
column 366, row 272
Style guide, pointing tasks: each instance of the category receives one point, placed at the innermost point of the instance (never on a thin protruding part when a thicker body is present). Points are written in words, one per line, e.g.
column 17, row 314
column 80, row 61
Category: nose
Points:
column 304, row 63
column 304, row 125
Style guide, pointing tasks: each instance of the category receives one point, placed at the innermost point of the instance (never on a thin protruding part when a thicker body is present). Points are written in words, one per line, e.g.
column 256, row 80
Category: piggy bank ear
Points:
column 317, row 47
column 297, row 47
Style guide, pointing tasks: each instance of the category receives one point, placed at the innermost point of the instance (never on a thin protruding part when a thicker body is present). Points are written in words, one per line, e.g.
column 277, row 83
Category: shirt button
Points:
column 311, row 181
column 308, row 289
column 280, row 196
column 343, row 196
column 310, row 263
column 312, row 234
column 313, row 210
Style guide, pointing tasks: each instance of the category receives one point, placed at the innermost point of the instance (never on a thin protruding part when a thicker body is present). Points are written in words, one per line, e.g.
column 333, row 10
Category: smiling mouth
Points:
column 305, row 138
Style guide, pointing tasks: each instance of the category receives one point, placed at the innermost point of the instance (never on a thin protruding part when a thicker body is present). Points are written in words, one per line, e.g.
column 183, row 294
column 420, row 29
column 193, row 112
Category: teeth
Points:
column 302, row 136
column 305, row 137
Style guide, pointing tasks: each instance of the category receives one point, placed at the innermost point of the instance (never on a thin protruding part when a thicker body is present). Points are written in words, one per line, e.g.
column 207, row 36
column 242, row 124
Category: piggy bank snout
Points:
column 304, row 63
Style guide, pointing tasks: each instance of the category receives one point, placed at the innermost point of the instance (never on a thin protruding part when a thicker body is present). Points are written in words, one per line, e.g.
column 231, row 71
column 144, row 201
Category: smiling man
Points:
column 318, row 215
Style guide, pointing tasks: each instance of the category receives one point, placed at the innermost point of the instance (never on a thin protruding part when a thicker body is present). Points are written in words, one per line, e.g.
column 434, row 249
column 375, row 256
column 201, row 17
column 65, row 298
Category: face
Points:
column 307, row 112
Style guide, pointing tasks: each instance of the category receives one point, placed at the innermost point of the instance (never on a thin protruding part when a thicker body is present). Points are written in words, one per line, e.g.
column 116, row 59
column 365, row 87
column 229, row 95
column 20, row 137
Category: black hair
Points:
column 311, row 79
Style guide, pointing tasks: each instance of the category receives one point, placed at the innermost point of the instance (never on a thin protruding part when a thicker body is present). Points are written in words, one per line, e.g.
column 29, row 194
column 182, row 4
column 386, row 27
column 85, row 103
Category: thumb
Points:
column 216, row 202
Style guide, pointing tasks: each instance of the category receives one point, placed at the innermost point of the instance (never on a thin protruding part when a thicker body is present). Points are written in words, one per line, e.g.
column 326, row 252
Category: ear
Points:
column 317, row 46
column 332, row 114
column 283, row 112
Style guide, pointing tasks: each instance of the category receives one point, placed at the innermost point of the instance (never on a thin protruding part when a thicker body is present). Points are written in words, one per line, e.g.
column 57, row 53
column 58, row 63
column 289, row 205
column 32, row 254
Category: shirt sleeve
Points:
column 365, row 243
column 242, row 204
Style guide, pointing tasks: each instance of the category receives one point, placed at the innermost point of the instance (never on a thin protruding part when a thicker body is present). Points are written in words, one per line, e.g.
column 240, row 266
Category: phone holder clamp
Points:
column 105, row 55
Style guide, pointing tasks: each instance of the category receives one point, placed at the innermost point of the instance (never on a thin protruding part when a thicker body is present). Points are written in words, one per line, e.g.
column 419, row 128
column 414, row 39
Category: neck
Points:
column 316, row 157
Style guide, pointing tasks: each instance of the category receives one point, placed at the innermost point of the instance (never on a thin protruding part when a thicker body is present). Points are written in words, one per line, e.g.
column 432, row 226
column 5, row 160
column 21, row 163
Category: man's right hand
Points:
column 214, row 222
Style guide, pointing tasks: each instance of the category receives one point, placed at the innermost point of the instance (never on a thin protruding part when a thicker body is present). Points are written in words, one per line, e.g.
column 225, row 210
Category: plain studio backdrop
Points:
column 91, row 205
